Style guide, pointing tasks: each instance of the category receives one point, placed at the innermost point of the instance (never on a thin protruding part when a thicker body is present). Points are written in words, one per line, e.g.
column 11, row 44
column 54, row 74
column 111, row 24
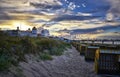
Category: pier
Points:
column 97, row 41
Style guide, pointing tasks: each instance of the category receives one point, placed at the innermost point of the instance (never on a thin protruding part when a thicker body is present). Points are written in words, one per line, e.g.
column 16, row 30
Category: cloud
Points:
column 46, row 6
column 73, row 17
column 4, row 16
column 115, row 7
column 95, row 30
column 109, row 35
column 59, row 14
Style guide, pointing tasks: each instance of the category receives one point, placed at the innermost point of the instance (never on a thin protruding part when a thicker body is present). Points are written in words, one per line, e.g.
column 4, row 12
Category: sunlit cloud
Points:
column 59, row 15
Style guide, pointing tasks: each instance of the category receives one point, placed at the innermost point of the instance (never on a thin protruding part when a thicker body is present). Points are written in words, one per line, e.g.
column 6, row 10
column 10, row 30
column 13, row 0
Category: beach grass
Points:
column 14, row 49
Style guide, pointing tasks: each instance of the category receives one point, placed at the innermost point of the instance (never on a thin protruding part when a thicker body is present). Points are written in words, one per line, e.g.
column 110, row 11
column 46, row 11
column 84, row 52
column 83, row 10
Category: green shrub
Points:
column 29, row 45
column 45, row 43
column 4, row 63
column 56, row 51
column 45, row 56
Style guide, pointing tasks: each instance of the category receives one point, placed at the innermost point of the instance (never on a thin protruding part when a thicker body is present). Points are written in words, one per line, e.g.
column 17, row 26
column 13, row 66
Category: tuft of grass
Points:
column 56, row 51
column 5, row 61
column 45, row 56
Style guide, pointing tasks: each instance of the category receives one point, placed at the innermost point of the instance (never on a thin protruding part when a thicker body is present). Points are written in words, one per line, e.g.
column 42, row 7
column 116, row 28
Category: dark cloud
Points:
column 46, row 6
column 115, row 7
column 4, row 16
column 73, row 17
column 94, row 30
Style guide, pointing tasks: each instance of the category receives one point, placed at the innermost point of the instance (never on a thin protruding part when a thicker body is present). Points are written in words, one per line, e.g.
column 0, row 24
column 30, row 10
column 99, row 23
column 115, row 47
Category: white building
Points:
column 24, row 33
column 31, row 33
column 34, row 32
column 28, row 32
column 45, row 33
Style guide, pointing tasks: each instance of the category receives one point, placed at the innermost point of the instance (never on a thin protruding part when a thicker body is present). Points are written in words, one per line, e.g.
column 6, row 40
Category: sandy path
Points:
column 71, row 64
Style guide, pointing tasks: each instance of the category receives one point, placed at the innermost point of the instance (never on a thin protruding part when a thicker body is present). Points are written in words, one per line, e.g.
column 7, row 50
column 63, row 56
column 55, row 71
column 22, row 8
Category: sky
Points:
column 62, row 17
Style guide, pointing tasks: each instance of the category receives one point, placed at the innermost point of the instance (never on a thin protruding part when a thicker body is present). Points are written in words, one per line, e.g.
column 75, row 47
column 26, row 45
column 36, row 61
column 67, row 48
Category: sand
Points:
column 70, row 64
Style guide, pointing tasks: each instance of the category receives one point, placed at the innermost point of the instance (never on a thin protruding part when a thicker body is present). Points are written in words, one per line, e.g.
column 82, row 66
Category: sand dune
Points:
column 71, row 64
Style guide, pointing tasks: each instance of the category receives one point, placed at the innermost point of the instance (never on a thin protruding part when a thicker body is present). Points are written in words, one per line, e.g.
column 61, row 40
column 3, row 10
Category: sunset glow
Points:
column 21, row 25
column 81, row 17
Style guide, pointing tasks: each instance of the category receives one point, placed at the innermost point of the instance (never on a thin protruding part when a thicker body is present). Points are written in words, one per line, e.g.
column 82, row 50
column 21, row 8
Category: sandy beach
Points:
column 70, row 64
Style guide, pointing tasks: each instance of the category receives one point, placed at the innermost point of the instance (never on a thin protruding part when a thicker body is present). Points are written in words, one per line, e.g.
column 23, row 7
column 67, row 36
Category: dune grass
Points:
column 14, row 49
